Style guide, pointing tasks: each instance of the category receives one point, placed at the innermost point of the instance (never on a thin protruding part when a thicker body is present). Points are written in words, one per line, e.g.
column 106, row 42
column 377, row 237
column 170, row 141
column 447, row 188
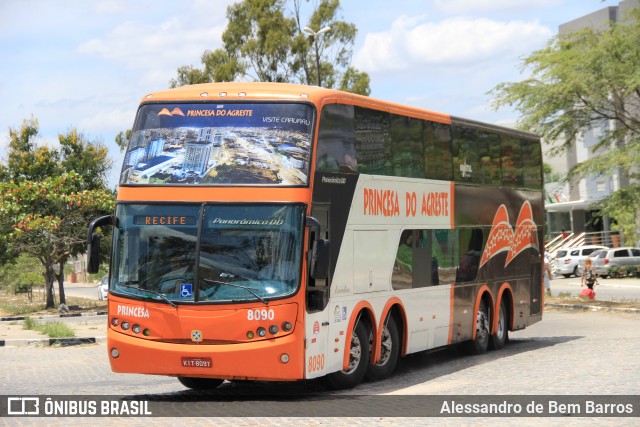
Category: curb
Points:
column 47, row 316
column 47, row 342
column 592, row 308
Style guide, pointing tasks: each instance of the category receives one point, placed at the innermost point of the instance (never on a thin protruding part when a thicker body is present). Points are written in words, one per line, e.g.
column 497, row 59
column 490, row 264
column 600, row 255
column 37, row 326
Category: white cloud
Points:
column 463, row 7
column 453, row 42
column 108, row 121
column 171, row 43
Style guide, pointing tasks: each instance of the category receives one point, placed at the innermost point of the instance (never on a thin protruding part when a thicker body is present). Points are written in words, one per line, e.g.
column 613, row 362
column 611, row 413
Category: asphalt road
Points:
column 608, row 290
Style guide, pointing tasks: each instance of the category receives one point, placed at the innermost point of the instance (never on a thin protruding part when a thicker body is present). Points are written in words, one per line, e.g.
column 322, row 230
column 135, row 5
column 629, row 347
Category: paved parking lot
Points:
column 568, row 353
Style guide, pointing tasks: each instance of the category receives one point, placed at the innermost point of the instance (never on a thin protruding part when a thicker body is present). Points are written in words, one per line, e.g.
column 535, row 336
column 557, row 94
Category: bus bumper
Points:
column 278, row 359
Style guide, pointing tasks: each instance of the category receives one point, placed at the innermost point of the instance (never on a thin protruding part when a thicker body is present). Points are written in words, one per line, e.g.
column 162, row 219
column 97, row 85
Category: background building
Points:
column 571, row 206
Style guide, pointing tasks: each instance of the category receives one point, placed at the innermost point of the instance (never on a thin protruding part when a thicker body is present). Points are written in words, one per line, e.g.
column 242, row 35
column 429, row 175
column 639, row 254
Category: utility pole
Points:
column 315, row 35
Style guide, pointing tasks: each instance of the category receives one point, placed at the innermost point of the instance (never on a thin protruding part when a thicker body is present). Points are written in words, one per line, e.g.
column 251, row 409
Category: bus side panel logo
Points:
column 525, row 235
column 500, row 236
column 503, row 238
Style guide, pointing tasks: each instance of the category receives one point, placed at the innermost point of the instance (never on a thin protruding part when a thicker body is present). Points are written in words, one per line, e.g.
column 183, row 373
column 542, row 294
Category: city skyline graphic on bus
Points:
column 230, row 144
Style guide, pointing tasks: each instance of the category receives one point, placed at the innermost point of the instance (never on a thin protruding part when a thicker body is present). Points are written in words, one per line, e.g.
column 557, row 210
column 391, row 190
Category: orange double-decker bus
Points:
column 286, row 232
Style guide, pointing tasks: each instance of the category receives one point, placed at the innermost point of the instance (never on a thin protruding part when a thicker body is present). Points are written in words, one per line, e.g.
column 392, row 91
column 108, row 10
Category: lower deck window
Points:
column 437, row 257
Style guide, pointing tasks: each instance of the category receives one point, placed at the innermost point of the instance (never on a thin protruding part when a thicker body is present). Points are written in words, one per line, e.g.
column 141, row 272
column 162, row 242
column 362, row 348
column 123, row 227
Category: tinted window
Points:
column 437, row 151
column 588, row 251
column 621, row 253
column 434, row 257
column 531, row 164
column 373, row 142
column 336, row 142
column 575, row 252
column 561, row 254
column 407, row 147
column 466, row 163
column 511, row 158
column 635, row 252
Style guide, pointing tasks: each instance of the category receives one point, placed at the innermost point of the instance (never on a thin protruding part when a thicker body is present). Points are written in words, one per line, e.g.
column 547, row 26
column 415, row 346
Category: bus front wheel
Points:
column 200, row 383
column 389, row 352
column 358, row 361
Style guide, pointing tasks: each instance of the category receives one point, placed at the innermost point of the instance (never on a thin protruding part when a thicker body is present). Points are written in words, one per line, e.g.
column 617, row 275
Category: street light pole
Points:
column 315, row 35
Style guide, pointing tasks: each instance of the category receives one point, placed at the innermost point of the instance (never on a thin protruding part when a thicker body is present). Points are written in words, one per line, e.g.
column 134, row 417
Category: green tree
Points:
column 263, row 43
column 583, row 80
column 49, row 197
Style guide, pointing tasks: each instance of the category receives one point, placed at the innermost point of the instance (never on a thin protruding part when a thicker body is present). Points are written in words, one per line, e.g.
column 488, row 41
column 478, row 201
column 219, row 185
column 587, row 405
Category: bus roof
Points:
column 258, row 91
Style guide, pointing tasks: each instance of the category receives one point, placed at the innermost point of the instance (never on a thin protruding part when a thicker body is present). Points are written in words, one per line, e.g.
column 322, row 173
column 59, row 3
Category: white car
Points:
column 568, row 259
column 103, row 288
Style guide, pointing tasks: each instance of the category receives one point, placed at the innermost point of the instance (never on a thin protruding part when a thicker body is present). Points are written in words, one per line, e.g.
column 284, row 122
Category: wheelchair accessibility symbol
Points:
column 186, row 290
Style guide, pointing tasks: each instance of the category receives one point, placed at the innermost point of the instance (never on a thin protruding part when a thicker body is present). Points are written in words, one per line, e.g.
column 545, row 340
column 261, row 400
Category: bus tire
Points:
column 480, row 344
column 200, row 383
column 358, row 361
column 501, row 336
column 389, row 352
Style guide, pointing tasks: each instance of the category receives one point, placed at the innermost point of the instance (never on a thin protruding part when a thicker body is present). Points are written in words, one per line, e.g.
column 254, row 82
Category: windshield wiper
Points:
column 162, row 296
column 251, row 290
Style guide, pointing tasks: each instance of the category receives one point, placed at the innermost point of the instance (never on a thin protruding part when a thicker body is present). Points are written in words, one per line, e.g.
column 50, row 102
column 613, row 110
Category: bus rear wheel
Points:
column 501, row 336
column 389, row 352
column 200, row 383
column 483, row 330
column 358, row 361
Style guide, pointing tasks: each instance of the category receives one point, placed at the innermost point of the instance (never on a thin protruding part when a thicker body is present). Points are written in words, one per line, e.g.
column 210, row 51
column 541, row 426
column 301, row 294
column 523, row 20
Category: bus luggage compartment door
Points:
column 370, row 259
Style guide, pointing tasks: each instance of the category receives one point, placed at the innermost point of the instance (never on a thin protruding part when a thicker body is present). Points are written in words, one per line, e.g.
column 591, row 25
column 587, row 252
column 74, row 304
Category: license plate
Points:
column 197, row 362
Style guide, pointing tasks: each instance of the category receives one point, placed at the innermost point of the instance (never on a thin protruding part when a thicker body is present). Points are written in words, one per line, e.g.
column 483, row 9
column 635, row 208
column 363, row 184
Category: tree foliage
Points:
column 588, row 79
column 263, row 41
column 48, row 197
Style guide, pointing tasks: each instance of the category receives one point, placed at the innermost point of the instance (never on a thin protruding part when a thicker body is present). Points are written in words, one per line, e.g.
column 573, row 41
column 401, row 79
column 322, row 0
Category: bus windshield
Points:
column 220, row 144
column 207, row 253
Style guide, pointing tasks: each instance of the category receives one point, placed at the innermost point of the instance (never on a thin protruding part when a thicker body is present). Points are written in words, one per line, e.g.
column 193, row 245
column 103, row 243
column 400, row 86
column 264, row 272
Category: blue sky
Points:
column 86, row 64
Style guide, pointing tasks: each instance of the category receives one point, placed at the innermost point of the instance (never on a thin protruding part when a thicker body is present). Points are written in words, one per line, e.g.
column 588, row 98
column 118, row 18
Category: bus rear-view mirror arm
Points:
column 93, row 240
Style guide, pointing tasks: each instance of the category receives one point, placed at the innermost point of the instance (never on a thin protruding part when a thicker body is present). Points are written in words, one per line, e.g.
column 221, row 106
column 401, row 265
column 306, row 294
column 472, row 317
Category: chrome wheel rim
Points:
column 386, row 346
column 355, row 353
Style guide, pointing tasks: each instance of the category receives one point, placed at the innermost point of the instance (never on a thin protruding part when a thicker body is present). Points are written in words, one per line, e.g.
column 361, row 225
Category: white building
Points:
column 571, row 207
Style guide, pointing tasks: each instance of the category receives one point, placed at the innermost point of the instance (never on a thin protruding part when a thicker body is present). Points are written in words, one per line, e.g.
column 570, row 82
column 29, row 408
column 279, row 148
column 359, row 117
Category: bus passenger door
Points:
column 317, row 298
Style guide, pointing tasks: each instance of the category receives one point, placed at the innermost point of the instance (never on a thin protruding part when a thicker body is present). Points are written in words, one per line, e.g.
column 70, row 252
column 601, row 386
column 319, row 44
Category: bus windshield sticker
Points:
column 234, row 144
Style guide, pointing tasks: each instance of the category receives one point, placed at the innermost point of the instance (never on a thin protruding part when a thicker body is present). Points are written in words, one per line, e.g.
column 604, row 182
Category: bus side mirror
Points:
column 319, row 259
column 93, row 262
column 93, row 251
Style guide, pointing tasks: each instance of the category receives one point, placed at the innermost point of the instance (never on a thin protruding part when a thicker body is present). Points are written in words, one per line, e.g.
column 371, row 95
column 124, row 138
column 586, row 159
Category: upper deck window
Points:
column 220, row 144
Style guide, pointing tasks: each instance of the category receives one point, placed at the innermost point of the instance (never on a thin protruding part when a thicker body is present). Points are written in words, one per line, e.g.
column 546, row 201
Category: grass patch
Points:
column 19, row 304
column 50, row 329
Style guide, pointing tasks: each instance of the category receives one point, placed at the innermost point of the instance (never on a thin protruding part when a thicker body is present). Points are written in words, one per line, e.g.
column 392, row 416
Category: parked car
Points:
column 103, row 288
column 567, row 259
column 616, row 257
